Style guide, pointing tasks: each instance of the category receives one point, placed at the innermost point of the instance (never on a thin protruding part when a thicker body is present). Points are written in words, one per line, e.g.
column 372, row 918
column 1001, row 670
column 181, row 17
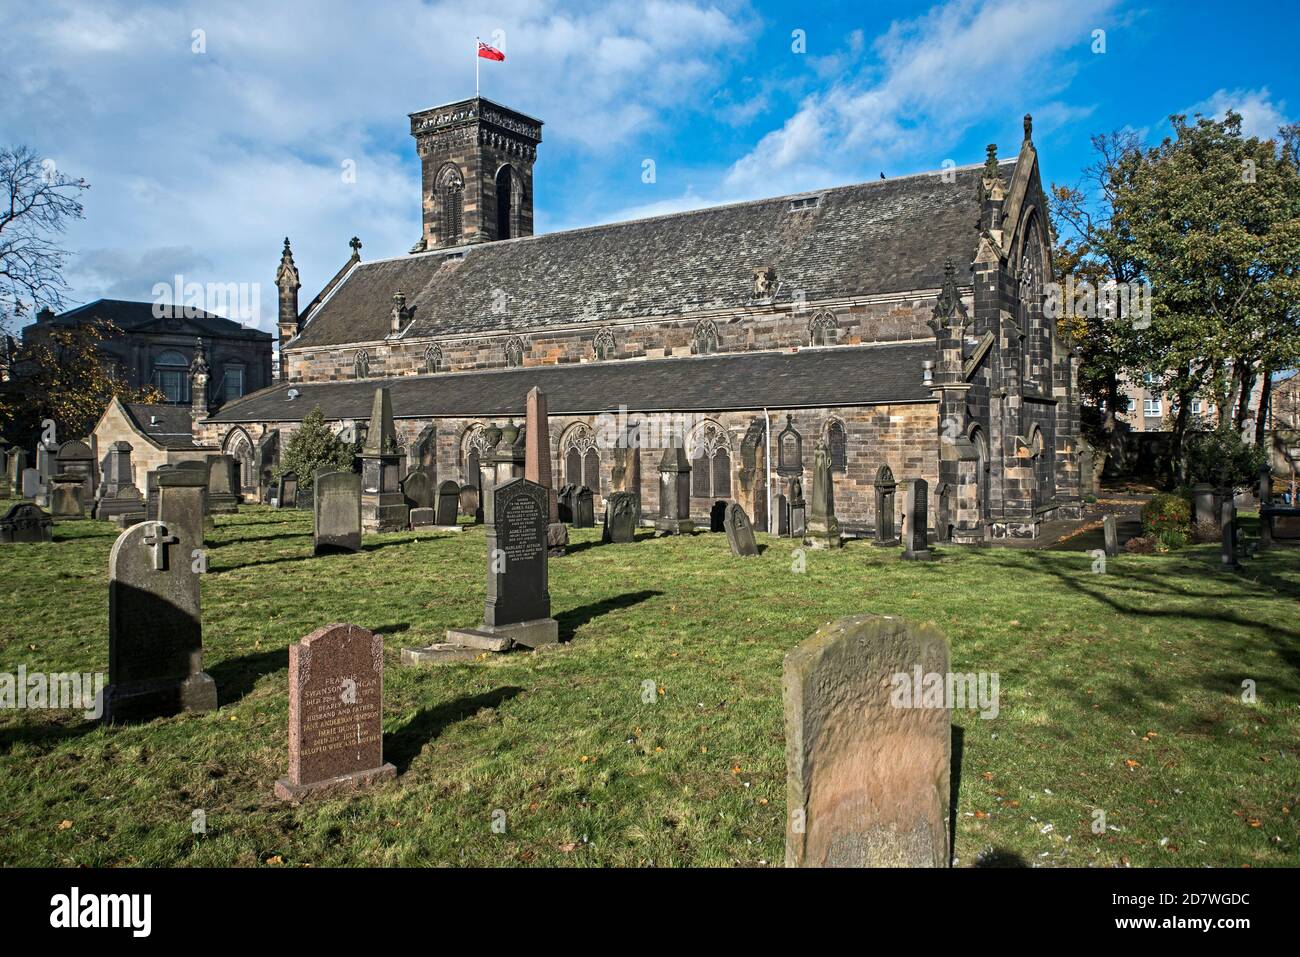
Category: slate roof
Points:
column 882, row 236
column 128, row 315
column 172, row 429
column 810, row 378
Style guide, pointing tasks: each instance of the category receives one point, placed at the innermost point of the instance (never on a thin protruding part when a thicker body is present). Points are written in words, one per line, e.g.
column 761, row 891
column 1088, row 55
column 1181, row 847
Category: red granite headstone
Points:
column 336, row 737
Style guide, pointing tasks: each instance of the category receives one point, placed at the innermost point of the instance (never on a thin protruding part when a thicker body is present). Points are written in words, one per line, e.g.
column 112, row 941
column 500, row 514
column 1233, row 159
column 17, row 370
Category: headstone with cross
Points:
column 155, row 634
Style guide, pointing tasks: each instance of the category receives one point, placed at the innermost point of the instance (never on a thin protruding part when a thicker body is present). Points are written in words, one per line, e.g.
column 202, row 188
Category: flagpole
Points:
column 476, row 43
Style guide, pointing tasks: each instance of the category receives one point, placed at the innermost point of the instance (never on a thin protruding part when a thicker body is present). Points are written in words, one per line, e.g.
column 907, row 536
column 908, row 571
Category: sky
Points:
column 211, row 131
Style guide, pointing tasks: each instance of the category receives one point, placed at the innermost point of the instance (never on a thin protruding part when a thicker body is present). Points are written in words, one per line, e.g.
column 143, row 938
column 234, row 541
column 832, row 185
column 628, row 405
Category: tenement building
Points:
column 899, row 322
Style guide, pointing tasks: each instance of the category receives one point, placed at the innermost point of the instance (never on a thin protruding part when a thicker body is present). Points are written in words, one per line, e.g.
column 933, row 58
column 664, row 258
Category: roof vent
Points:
column 153, row 420
column 291, row 394
column 805, row 203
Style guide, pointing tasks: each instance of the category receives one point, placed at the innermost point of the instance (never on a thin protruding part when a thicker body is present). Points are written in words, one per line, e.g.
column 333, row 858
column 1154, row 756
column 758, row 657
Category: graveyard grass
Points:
column 1119, row 691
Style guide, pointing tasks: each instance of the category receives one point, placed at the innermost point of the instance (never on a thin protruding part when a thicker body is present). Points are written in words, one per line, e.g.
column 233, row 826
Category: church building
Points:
column 899, row 322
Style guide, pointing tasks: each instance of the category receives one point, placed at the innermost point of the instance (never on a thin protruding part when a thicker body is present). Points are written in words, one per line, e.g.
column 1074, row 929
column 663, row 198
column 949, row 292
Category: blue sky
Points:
column 201, row 161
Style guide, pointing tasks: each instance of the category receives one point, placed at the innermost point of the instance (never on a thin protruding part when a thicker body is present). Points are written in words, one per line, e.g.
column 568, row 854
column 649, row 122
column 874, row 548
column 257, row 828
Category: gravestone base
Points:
column 674, row 526
column 557, row 539
column 530, row 634
column 440, row 653
column 125, row 520
column 820, row 536
column 451, row 528
column 286, row 790
column 143, row 700
column 920, row 555
column 422, row 518
column 384, row 513
column 220, row 503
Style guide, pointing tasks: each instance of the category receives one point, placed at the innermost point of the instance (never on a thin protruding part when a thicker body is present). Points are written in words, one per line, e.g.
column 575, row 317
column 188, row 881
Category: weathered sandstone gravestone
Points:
column 584, row 508
column 6, row 487
column 798, row 510
column 182, row 501
column 31, row 483
column 336, row 511
column 17, row 465
column 620, row 518
column 740, row 532
column 674, row 493
column 336, row 709
column 383, row 507
column 66, row 490
column 1228, row 535
column 155, row 637
column 286, row 495
column 25, row 522
column 823, row 529
column 916, row 513
column 117, row 493
column 417, row 488
column 448, row 506
column 223, row 485
column 469, row 500
column 518, row 606
column 1110, row 532
column 867, row 782
column 76, row 457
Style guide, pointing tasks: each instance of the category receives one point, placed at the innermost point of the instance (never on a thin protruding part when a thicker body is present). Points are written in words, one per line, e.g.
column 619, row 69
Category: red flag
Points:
column 488, row 52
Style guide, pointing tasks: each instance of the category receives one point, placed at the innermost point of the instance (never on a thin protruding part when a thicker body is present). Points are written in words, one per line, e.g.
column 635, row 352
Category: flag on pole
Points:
column 489, row 52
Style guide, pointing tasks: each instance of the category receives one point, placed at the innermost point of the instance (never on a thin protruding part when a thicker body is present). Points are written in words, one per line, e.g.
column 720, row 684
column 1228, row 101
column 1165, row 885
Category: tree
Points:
column 313, row 447
column 36, row 204
column 63, row 375
column 1214, row 217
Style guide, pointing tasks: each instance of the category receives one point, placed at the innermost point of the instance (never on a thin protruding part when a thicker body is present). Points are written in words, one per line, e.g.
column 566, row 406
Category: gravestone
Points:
column 584, row 508
column 17, row 465
column 31, row 483
column 1110, row 534
column 417, row 489
column 265, row 459
column 916, row 508
column 537, row 467
column 823, row 529
column 383, row 507
column 867, row 772
column 126, row 502
column 798, row 509
column 45, row 461
column 117, row 493
column 518, row 606
column 1265, row 506
column 717, row 516
column 78, row 458
column 424, row 518
column 448, row 505
column 336, row 711
column 26, row 522
column 469, row 501
column 740, row 533
column 182, row 502
column 287, row 492
column 1203, row 505
column 620, row 518
column 885, row 488
column 943, row 513
column 674, row 493
column 1087, row 471
column 564, row 503
column 336, row 509
column 1228, row 536
column 6, row 487
column 223, row 485
column 782, row 515
column 155, row 636
column 66, row 489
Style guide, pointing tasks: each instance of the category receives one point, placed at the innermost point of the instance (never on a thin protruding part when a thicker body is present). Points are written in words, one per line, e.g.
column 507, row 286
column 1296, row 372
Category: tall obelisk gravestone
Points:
column 537, row 466
column 383, row 507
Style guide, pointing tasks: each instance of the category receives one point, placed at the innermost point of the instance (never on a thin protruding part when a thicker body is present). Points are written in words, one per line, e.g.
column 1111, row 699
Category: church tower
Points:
column 476, row 160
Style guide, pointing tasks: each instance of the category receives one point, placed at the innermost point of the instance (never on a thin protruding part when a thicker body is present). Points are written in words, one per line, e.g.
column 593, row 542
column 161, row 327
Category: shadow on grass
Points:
column 404, row 745
column 235, row 677
column 258, row 538
column 570, row 621
column 43, row 735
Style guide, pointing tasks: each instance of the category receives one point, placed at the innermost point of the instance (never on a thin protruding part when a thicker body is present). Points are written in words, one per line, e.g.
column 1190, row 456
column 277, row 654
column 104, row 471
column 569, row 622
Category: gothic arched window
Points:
column 361, row 364
column 837, row 443
column 709, row 450
column 604, row 344
column 580, row 457
column 505, row 202
column 451, row 193
column 705, row 339
column 472, row 447
column 433, row 359
column 823, row 330
column 514, row 352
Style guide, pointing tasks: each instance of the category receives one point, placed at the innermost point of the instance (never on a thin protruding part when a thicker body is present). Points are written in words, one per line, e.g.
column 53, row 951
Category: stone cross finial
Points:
column 355, row 243
column 159, row 542
column 991, row 160
column 1029, row 127
column 200, row 362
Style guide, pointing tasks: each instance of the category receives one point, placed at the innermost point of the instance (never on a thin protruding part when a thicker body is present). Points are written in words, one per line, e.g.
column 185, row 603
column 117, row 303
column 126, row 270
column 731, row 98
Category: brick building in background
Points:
column 900, row 322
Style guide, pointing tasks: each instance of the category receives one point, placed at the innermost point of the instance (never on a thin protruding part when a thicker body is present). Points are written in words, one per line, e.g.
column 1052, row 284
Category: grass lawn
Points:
column 1119, row 691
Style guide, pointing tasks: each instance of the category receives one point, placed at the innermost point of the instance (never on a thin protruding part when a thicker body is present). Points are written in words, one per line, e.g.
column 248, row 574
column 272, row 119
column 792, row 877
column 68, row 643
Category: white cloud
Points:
column 1260, row 116
column 932, row 78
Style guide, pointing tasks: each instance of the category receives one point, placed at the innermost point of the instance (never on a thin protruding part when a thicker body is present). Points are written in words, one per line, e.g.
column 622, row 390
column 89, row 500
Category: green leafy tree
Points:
column 312, row 448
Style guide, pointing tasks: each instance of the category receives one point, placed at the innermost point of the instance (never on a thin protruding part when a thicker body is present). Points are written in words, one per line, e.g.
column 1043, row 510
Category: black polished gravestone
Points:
column 336, row 513
column 885, row 489
column 448, row 505
column 155, row 637
column 584, row 508
column 916, row 514
column 620, row 518
column 740, row 532
column 564, row 503
column 286, row 495
column 518, row 606
column 25, row 522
